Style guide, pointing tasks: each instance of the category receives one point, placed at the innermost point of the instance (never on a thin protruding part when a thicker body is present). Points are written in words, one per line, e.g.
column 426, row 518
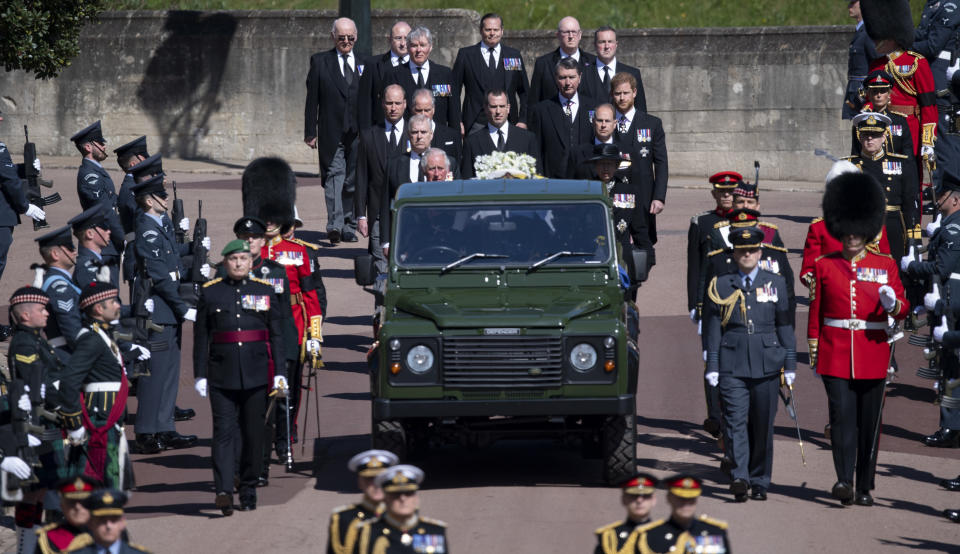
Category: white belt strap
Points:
column 944, row 55
column 57, row 342
column 105, row 386
column 854, row 324
column 955, row 276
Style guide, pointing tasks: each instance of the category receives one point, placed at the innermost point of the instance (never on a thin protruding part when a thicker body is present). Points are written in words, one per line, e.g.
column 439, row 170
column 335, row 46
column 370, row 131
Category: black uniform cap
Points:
column 854, row 204
column 949, row 183
column 106, row 502
column 878, row 79
column 148, row 168
column 249, row 225
column 137, row 146
column 58, row 237
column 90, row 133
column 746, row 237
column 888, row 19
column 94, row 216
column 97, row 291
column 153, row 185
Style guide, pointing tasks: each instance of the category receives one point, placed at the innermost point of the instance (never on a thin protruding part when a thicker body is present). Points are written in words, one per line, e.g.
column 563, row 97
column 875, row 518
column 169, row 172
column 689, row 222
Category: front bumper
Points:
column 399, row 409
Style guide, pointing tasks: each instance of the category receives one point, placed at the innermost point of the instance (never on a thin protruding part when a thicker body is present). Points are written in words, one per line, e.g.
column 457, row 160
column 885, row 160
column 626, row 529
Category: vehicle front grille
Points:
column 500, row 362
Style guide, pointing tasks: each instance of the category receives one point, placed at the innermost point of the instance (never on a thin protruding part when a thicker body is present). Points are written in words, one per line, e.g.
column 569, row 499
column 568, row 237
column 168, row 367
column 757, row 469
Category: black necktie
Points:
column 419, row 76
column 347, row 70
column 500, row 143
column 393, row 136
column 568, row 110
column 606, row 78
column 747, row 282
column 491, row 62
column 419, row 171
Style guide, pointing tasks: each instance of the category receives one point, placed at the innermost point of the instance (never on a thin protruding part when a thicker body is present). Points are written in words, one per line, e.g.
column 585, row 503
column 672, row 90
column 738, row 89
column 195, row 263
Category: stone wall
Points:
column 229, row 86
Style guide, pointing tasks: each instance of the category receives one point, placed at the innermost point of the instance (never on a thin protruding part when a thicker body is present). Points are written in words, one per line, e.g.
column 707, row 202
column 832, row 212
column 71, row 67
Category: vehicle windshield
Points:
column 509, row 234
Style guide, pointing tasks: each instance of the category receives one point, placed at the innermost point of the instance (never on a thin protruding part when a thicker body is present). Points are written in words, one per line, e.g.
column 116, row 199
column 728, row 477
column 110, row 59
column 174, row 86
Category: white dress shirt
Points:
column 485, row 51
column 350, row 60
column 493, row 133
column 425, row 71
column 574, row 107
column 612, row 65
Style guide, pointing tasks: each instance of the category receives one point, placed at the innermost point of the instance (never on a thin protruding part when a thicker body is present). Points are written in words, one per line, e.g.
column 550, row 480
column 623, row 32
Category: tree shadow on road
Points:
column 923, row 509
column 356, row 343
column 905, row 472
column 179, row 461
column 185, row 509
column 349, row 395
column 922, row 544
column 911, row 392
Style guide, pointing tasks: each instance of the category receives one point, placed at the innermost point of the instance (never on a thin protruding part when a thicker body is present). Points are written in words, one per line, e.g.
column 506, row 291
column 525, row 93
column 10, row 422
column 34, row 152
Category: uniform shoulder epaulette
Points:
column 305, row 243
column 721, row 223
column 714, row 522
column 212, row 282
column 715, row 252
column 432, row 521
column 768, row 225
column 261, row 281
column 816, row 220
column 850, row 157
column 883, row 254
column 914, row 54
column 603, row 529
column 696, row 219
column 137, row 547
column 80, row 542
column 344, row 508
column 775, row 247
column 48, row 527
column 895, row 155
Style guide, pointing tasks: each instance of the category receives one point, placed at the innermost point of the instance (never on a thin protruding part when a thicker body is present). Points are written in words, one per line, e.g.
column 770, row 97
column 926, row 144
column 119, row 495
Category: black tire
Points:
column 389, row 435
column 619, row 435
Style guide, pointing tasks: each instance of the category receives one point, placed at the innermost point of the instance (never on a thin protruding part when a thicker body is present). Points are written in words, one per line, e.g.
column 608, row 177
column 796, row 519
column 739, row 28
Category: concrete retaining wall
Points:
column 229, row 86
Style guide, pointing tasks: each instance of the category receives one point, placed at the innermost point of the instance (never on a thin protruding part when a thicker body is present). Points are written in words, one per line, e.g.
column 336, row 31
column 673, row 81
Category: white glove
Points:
column 206, row 271
column 699, row 327
column 313, row 346
column 908, row 259
column 953, row 69
column 930, row 299
column 32, row 441
column 24, row 403
column 888, row 298
column 43, row 390
column 36, row 164
column 704, row 355
column 77, row 436
column 926, row 151
column 713, row 378
column 206, row 243
column 933, row 225
column 148, row 305
column 184, row 224
column 941, row 329
column 144, row 353
column 15, row 466
column 789, row 377
column 279, row 382
column 191, row 315
column 36, row 213
column 693, row 315
column 201, row 387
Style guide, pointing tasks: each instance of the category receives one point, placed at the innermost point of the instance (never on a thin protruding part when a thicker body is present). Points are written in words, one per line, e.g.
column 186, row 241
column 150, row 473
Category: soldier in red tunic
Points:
column 57, row 537
column 914, row 95
column 853, row 293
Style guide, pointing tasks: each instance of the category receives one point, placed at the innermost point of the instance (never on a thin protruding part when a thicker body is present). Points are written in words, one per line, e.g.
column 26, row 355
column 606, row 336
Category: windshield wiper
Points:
column 554, row 256
column 467, row 258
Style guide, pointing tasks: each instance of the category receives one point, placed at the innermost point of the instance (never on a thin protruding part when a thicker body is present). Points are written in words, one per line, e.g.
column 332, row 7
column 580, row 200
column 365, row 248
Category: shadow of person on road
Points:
column 922, row 544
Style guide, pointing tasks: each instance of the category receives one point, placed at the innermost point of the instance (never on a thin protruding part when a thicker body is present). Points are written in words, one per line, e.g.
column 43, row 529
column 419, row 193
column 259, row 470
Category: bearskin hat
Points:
column 888, row 19
column 854, row 204
column 269, row 190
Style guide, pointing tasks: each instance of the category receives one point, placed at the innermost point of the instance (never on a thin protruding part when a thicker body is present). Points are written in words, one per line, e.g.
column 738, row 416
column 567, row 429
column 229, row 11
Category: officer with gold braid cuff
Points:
column 401, row 528
column 638, row 498
column 683, row 532
column 345, row 520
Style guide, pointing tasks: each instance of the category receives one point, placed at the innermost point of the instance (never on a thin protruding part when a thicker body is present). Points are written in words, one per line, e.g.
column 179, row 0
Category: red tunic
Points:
column 306, row 307
column 848, row 290
column 913, row 94
column 820, row 242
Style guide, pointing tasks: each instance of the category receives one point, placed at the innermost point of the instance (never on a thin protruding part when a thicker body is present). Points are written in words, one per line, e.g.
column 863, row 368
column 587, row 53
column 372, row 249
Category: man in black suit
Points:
column 378, row 145
column 562, row 123
column 543, row 84
column 331, row 126
column 490, row 65
column 604, row 125
column 375, row 73
column 446, row 138
column 420, row 72
column 402, row 169
column 641, row 136
column 596, row 80
column 499, row 135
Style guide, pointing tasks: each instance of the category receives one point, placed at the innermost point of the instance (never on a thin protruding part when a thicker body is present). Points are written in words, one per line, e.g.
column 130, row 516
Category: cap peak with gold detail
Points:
column 106, row 502
column 371, row 463
column 684, row 486
column 640, row 484
column 726, row 180
column 747, row 237
column 400, row 478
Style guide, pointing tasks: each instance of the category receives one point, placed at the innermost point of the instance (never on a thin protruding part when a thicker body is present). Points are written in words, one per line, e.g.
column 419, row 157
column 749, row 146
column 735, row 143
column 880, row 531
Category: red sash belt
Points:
column 260, row 335
column 97, row 445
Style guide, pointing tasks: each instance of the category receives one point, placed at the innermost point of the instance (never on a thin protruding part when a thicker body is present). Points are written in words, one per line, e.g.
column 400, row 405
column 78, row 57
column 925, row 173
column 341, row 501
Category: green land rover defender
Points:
column 504, row 315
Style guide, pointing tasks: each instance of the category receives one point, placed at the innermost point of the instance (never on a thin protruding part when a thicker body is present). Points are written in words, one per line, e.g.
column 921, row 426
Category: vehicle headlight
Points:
column 420, row 359
column 583, row 357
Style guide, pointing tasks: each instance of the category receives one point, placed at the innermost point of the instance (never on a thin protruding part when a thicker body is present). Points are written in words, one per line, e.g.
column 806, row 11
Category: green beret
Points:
column 236, row 245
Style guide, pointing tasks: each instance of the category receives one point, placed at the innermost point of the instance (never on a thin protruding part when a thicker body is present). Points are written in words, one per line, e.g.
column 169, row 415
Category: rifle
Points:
column 200, row 253
column 33, row 180
column 140, row 326
column 23, row 423
column 790, row 403
column 177, row 216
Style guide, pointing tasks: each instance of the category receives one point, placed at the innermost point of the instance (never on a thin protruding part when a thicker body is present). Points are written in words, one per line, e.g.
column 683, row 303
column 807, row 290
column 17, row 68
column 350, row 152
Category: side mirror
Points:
column 638, row 272
column 364, row 270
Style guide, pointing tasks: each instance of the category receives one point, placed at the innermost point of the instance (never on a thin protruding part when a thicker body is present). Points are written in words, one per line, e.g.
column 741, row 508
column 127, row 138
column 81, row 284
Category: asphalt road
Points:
column 538, row 496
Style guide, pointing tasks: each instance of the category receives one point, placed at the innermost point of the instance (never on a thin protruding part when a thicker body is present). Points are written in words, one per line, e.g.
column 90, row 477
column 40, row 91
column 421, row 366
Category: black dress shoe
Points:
column 739, row 489
column 863, row 499
column 759, row 493
column 712, row 426
column 281, row 447
column 174, row 440
column 350, row 236
column 826, row 431
column 726, row 466
column 843, row 492
column 225, row 503
column 951, row 484
column 952, row 515
column 148, row 444
column 248, row 500
column 183, row 415
column 943, row 438
column 333, row 235
column 264, row 478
